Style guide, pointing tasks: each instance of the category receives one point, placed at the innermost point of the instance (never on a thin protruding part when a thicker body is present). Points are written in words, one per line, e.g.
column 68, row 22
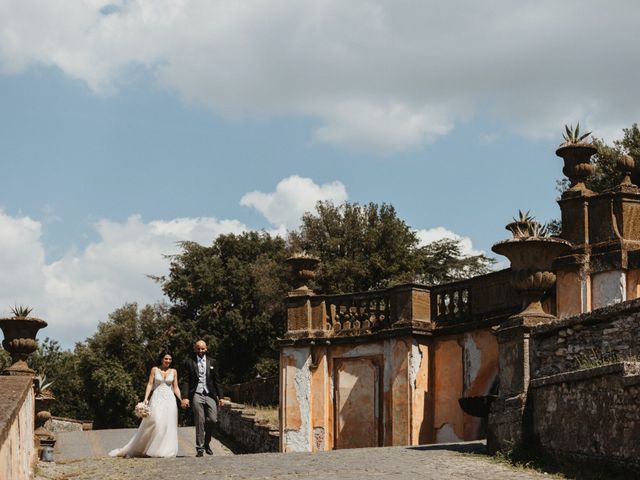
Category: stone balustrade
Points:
column 479, row 298
column 358, row 313
column 484, row 298
column 17, row 449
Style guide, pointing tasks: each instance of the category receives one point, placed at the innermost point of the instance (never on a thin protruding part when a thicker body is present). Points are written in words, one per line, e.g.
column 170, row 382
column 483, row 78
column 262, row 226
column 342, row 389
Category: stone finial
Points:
column 304, row 267
column 626, row 164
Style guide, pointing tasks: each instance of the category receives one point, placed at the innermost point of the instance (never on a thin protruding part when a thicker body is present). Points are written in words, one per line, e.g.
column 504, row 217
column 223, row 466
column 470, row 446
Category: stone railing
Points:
column 479, row 298
column 358, row 313
column 17, row 449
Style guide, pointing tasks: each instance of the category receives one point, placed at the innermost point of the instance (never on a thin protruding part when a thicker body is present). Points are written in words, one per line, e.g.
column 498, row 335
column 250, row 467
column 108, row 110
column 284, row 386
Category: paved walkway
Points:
column 456, row 461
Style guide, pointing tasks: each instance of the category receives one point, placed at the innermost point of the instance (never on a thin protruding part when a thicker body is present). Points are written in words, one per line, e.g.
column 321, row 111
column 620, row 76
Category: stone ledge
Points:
column 240, row 423
column 599, row 315
column 14, row 392
column 630, row 371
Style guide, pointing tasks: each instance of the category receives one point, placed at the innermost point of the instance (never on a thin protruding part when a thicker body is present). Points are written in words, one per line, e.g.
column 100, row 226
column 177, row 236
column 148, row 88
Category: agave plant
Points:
column 572, row 135
column 524, row 217
column 21, row 312
column 536, row 229
column 41, row 385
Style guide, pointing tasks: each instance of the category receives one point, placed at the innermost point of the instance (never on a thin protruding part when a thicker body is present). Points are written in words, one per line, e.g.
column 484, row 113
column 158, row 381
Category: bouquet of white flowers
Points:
column 142, row 410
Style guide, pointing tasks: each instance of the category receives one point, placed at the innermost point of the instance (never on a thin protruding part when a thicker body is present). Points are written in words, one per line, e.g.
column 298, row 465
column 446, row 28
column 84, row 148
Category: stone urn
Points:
column 20, row 341
column 532, row 275
column 304, row 268
column 577, row 163
column 44, row 401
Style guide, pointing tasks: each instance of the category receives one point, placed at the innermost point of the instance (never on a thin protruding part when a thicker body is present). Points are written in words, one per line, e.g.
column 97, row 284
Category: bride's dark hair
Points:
column 163, row 354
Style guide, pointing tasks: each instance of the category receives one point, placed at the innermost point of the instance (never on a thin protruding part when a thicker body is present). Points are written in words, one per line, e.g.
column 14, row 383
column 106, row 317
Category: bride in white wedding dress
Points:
column 157, row 435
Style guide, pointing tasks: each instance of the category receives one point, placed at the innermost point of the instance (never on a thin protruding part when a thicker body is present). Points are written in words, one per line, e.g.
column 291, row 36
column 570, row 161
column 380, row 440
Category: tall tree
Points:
column 363, row 247
column 230, row 294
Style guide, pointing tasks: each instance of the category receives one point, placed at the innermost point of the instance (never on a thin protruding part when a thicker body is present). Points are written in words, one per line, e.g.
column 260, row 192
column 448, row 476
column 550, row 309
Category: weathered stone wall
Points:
column 590, row 412
column 59, row 424
column 252, row 436
column 608, row 333
column 261, row 391
column 17, row 450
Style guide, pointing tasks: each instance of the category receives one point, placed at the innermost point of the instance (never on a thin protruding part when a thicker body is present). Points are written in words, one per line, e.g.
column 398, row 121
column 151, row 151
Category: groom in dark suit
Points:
column 199, row 380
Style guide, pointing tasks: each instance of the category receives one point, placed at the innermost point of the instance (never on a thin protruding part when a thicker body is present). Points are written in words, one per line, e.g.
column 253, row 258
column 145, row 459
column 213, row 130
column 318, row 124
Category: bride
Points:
column 157, row 435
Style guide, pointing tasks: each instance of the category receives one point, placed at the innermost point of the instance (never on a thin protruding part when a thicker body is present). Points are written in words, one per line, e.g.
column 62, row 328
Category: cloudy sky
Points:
column 127, row 126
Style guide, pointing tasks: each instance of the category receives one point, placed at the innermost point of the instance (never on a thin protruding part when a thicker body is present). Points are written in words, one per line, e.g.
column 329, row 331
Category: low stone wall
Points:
column 609, row 333
column 591, row 413
column 239, row 423
column 261, row 391
column 60, row 424
column 17, row 449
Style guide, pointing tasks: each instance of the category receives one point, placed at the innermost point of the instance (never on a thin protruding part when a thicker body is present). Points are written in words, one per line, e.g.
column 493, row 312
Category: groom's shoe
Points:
column 199, row 453
column 208, row 450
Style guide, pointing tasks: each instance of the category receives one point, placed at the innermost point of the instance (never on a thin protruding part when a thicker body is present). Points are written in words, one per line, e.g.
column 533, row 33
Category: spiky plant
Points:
column 524, row 217
column 572, row 135
column 41, row 385
column 536, row 229
column 21, row 312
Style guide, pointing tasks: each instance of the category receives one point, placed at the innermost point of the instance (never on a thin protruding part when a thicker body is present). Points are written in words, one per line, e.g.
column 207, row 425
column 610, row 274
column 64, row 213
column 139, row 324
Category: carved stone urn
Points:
column 304, row 267
column 43, row 415
column 20, row 341
column 577, row 164
column 531, row 259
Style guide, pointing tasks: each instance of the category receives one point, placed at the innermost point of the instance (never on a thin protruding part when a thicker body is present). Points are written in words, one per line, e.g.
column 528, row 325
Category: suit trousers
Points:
column 205, row 415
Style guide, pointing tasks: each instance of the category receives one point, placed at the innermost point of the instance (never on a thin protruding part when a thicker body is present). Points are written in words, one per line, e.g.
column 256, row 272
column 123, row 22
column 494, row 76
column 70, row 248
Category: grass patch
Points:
column 596, row 358
column 267, row 414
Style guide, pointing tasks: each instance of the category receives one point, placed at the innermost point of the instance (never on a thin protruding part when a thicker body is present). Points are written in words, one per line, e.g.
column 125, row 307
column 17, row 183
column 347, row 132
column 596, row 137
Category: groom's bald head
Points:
column 200, row 347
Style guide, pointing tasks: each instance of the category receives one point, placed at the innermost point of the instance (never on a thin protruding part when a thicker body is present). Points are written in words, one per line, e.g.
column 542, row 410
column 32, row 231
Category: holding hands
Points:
column 184, row 403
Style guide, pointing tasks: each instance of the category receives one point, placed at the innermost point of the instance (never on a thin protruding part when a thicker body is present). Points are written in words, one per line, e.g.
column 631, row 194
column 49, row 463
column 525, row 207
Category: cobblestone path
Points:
column 389, row 463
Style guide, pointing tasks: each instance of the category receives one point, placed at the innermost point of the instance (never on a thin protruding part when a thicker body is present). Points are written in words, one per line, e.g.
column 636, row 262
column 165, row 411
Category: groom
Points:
column 199, row 380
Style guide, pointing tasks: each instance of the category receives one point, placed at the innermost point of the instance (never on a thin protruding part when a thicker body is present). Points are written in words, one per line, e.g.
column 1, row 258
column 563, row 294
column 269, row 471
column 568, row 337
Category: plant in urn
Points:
column 44, row 400
column 531, row 252
column 20, row 339
column 576, row 152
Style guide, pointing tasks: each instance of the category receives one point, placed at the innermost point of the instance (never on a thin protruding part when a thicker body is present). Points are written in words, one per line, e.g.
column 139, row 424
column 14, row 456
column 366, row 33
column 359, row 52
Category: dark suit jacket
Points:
column 190, row 378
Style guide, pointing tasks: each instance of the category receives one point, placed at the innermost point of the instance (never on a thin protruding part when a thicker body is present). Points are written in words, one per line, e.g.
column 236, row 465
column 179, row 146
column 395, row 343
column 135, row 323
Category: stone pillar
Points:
column 508, row 426
column 411, row 304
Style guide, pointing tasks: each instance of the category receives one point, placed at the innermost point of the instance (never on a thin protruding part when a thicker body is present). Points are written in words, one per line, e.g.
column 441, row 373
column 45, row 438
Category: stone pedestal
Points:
column 508, row 426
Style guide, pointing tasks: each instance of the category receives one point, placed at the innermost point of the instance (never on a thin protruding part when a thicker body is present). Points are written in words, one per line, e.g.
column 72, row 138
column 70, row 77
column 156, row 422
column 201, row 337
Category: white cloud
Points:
column 430, row 235
column 293, row 197
column 77, row 291
column 378, row 75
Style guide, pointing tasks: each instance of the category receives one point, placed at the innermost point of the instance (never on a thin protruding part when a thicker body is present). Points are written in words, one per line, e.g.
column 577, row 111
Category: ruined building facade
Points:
column 499, row 356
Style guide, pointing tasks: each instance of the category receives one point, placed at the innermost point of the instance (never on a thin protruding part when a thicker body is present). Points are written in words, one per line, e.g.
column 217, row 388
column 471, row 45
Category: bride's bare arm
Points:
column 176, row 389
column 147, row 392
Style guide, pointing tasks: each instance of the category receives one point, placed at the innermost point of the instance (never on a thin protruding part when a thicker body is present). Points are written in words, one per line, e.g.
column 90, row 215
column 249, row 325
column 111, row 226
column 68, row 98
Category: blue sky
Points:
column 127, row 126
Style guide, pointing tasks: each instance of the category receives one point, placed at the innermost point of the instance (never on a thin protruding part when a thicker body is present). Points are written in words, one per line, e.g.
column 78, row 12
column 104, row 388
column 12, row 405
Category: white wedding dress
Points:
column 157, row 435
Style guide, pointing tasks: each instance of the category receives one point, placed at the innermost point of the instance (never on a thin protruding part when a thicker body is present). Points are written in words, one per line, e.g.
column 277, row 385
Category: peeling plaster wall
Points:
column 471, row 360
column 297, row 415
column 465, row 365
column 419, row 381
column 608, row 288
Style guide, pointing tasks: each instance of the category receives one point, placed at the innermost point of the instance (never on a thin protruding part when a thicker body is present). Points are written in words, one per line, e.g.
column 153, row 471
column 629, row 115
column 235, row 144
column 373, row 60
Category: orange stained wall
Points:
column 464, row 365
column 633, row 284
